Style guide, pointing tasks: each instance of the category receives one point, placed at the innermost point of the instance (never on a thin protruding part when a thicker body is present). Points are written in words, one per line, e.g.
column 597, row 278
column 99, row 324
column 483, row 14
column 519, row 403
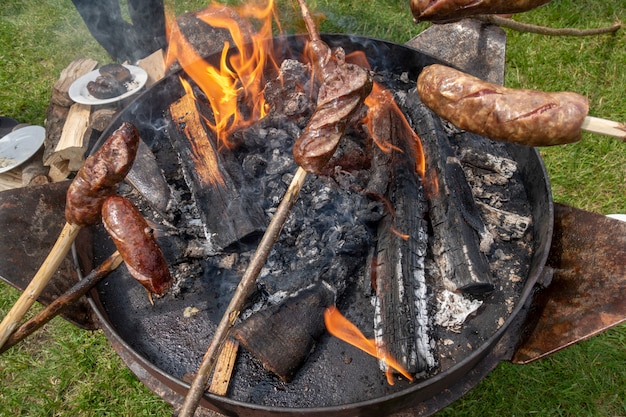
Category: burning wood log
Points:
column 401, row 322
column 458, row 229
column 96, row 180
column 227, row 215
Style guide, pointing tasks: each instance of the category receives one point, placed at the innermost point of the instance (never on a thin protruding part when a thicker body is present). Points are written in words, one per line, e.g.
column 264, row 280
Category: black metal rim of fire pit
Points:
column 396, row 58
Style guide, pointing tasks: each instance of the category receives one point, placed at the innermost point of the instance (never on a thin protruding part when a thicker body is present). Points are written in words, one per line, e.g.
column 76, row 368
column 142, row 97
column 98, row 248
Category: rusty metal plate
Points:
column 587, row 294
column 31, row 219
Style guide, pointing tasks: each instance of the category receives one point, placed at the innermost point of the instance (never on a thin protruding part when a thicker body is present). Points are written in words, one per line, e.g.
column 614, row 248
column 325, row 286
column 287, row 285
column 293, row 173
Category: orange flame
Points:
column 340, row 327
column 237, row 81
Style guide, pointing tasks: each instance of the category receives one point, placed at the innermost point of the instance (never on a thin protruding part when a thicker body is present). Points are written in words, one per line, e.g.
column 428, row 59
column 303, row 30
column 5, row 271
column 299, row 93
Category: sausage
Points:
column 106, row 86
column 99, row 176
column 526, row 117
column 339, row 100
column 117, row 71
column 134, row 240
column 442, row 11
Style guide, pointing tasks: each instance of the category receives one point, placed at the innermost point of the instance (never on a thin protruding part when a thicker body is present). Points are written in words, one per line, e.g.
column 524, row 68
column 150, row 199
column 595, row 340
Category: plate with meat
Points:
column 18, row 146
column 108, row 84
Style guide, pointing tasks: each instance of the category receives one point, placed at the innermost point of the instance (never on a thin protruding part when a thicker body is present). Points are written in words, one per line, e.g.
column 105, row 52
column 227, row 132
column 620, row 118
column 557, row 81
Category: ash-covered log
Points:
column 227, row 214
column 401, row 321
column 460, row 238
column 282, row 336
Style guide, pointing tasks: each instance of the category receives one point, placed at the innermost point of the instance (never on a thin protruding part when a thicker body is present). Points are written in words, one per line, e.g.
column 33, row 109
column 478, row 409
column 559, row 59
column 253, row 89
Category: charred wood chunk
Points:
column 460, row 237
column 401, row 319
column 227, row 213
column 283, row 335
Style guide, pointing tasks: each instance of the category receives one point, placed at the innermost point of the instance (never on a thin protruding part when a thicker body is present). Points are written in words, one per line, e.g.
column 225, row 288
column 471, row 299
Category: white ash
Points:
column 454, row 309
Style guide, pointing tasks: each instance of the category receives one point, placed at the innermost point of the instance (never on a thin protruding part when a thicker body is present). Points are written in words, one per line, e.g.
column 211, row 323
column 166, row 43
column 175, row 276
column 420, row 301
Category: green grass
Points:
column 64, row 371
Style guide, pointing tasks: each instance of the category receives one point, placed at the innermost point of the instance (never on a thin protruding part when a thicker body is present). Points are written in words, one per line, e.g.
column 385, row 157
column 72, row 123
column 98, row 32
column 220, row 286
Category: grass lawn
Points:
column 64, row 371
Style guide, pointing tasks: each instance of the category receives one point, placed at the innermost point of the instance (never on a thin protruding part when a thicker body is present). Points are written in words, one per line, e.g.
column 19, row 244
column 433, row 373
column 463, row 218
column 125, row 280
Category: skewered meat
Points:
column 442, row 11
column 100, row 175
column 134, row 240
column 340, row 98
column 526, row 117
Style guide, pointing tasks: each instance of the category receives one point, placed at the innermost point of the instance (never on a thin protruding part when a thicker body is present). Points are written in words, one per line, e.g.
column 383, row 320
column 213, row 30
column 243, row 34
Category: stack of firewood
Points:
column 71, row 126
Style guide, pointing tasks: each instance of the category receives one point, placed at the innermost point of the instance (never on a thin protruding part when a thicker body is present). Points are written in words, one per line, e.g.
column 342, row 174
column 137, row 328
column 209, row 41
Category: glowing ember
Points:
column 343, row 329
column 238, row 80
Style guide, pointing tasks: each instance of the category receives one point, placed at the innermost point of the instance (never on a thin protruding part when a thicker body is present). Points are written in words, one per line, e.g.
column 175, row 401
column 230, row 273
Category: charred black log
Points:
column 282, row 336
column 401, row 321
column 461, row 239
column 227, row 214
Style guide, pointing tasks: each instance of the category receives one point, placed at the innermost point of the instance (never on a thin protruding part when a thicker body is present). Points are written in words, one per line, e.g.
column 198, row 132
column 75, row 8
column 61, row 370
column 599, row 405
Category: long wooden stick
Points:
column 542, row 30
column 241, row 294
column 604, row 127
column 57, row 306
column 39, row 281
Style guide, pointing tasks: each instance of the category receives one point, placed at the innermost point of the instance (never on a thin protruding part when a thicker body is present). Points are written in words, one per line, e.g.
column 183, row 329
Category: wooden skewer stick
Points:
column 241, row 294
column 604, row 127
column 57, row 306
column 39, row 281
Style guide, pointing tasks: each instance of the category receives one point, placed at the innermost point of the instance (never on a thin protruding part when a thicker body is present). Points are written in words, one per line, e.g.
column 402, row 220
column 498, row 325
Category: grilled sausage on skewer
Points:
column 134, row 240
column 100, row 175
column 526, row 117
column 442, row 11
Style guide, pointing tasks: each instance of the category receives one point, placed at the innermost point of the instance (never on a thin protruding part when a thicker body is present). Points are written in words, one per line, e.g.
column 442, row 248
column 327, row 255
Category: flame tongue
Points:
column 237, row 81
column 343, row 329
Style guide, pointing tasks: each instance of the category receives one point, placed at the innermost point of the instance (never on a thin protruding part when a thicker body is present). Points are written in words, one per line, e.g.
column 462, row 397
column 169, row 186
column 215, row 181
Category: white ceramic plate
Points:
column 18, row 146
column 78, row 90
column 621, row 217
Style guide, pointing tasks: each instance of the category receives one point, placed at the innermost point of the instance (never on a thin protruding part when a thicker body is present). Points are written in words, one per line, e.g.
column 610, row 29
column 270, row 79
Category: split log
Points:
column 154, row 65
column 71, row 73
column 11, row 179
column 101, row 118
column 34, row 172
column 69, row 152
column 460, row 236
column 227, row 215
column 401, row 321
column 60, row 102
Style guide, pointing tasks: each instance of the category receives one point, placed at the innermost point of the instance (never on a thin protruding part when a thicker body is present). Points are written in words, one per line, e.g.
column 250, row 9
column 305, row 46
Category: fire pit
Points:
column 170, row 346
column 164, row 343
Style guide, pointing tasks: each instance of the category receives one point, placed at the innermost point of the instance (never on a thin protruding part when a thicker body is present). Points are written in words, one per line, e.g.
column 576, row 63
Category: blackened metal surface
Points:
column 587, row 294
column 31, row 219
column 337, row 380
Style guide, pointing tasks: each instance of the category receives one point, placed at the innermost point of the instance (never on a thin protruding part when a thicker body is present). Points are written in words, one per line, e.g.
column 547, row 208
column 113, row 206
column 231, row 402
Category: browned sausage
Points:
column 526, row 117
column 106, row 86
column 134, row 240
column 99, row 176
column 442, row 11
column 117, row 71
column 340, row 97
